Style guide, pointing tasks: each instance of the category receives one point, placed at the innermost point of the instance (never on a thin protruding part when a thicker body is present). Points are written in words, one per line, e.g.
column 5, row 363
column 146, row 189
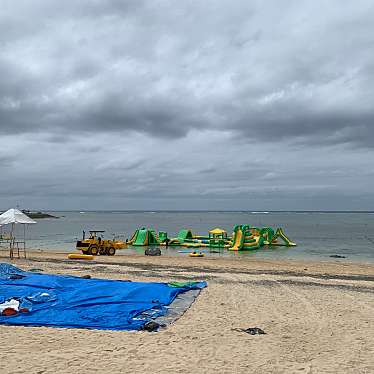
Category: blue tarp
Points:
column 68, row 301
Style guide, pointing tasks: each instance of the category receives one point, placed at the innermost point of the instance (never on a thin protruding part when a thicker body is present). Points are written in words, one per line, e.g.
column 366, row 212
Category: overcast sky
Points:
column 233, row 105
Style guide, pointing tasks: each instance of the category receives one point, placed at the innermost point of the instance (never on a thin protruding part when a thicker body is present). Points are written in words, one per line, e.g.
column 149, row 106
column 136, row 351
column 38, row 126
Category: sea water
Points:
column 318, row 234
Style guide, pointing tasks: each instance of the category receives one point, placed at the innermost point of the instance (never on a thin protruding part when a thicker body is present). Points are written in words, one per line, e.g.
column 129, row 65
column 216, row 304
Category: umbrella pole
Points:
column 11, row 241
column 24, row 239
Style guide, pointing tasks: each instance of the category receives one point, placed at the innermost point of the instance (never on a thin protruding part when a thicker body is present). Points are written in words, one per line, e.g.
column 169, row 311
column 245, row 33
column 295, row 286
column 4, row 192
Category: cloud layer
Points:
column 230, row 104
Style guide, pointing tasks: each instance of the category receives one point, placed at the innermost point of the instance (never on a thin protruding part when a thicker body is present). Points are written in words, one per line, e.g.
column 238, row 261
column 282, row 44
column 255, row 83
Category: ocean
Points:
column 318, row 234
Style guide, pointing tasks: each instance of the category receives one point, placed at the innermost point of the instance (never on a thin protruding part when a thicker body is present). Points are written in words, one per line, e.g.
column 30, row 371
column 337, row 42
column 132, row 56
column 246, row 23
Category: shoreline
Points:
column 243, row 265
column 232, row 256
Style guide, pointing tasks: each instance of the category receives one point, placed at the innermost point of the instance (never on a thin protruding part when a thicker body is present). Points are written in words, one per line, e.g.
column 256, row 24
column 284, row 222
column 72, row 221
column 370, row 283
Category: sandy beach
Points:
column 318, row 318
column 136, row 134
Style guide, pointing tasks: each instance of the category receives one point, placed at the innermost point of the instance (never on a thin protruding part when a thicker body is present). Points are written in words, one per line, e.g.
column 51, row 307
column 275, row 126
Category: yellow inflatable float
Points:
column 196, row 254
column 78, row 256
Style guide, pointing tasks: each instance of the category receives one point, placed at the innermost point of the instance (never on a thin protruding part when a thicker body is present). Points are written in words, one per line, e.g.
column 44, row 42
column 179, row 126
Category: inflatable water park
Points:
column 244, row 237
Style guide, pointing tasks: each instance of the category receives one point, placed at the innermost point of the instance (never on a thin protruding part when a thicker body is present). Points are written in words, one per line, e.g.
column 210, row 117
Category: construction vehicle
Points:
column 96, row 245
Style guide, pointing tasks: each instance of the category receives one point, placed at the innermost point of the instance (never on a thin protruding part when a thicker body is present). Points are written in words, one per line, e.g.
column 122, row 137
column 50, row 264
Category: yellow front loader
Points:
column 96, row 245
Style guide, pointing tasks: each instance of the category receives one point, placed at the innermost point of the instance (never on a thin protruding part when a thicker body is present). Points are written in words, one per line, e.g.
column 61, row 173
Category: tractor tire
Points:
column 93, row 250
column 103, row 251
column 111, row 251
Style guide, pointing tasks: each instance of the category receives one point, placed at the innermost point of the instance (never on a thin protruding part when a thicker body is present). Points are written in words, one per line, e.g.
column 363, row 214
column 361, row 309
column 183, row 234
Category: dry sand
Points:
column 318, row 318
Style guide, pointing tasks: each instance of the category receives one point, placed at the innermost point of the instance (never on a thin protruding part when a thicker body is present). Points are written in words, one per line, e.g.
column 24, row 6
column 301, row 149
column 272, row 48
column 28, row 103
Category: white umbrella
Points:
column 14, row 216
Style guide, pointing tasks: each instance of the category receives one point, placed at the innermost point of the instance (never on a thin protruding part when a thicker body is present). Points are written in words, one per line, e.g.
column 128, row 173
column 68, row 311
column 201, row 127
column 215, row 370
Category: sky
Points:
column 179, row 105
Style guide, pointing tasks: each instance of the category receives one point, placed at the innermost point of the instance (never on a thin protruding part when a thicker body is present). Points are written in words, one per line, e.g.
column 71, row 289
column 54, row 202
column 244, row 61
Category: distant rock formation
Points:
column 37, row 214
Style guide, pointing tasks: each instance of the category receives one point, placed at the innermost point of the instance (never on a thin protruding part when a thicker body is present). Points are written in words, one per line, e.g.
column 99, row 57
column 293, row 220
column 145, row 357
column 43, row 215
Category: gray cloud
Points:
column 186, row 100
column 6, row 161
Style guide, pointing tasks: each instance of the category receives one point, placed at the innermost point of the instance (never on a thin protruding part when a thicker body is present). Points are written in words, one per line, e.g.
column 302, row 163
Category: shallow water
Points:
column 318, row 235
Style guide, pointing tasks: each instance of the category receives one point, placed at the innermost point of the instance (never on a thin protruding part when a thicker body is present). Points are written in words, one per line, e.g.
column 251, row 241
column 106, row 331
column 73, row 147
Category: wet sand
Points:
column 318, row 318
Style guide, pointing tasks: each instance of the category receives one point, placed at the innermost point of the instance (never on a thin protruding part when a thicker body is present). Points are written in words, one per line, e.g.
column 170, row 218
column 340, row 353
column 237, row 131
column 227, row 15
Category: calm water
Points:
column 318, row 235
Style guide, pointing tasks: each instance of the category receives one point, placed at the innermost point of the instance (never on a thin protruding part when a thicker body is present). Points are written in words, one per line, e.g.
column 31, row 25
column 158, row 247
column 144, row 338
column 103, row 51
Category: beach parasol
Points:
column 13, row 217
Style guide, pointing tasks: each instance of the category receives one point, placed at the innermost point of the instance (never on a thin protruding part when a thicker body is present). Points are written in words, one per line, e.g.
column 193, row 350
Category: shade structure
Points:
column 215, row 231
column 15, row 216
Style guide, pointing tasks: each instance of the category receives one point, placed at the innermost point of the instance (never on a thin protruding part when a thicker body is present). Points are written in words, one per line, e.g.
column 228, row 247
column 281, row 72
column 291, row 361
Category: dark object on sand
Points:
column 151, row 326
column 252, row 331
column 337, row 256
column 152, row 252
column 86, row 276
column 36, row 270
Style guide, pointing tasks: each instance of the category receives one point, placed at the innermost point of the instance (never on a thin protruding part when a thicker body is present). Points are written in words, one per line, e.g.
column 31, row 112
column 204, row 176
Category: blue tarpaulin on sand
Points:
column 68, row 301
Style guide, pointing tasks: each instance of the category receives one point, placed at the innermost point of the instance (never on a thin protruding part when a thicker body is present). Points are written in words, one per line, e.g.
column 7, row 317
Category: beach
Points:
column 186, row 187
column 318, row 318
